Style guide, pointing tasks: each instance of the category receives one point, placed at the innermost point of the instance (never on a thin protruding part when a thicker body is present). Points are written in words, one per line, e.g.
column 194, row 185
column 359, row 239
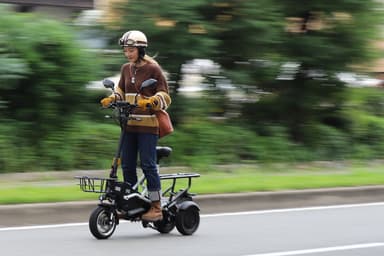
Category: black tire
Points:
column 166, row 225
column 102, row 222
column 188, row 220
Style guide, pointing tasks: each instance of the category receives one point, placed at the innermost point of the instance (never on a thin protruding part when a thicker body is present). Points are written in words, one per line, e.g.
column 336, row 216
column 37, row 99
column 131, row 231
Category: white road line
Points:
column 43, row 226
column 317, row 208
column 319, row 250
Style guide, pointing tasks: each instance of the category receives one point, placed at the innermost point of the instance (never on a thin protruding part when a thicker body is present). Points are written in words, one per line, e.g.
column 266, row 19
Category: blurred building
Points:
column 63, row 9
column 57, row 9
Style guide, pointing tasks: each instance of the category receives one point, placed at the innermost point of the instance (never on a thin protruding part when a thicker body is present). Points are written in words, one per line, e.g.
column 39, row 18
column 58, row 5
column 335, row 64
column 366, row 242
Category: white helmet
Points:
column 133, row 38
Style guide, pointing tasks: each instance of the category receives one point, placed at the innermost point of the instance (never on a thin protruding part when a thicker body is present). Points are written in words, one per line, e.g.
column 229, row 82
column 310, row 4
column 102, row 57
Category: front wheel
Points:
column 188, row 220
column 102, row 222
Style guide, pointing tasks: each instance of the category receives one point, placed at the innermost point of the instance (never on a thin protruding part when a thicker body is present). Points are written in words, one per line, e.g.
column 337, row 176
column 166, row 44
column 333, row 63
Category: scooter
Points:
column 121, row 200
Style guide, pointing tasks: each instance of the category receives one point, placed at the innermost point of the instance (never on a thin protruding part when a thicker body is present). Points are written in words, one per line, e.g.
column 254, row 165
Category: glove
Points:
column 150, row 102
column 106, row 101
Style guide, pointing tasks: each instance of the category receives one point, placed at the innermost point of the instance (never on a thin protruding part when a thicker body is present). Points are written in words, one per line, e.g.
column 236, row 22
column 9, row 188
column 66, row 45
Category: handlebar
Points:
column 122, row 111
column 124, row 105
column 121, row 104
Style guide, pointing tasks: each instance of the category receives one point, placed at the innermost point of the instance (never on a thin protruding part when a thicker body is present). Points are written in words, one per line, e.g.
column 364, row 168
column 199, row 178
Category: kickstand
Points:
column 147, row 224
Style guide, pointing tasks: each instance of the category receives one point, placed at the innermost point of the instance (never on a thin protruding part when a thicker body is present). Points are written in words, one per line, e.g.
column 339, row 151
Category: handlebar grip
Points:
column 120, row 104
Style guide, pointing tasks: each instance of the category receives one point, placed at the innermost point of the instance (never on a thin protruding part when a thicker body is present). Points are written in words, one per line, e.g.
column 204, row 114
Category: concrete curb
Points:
column 68, row 212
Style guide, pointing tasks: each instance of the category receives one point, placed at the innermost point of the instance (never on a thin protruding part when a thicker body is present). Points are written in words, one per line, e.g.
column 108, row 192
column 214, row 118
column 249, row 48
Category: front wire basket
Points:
column 93, row 184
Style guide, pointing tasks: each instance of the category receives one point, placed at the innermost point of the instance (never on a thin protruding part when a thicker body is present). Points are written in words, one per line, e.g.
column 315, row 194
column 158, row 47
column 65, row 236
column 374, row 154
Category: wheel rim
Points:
column 190, row 220
column 106, row 223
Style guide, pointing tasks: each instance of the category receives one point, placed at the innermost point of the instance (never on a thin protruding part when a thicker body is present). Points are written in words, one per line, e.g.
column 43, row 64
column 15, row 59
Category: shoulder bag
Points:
column 165, row 123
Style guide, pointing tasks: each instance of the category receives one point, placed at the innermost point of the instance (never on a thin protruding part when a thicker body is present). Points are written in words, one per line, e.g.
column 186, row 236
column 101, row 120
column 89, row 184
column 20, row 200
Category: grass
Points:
column 33, row 194
column 232, row 179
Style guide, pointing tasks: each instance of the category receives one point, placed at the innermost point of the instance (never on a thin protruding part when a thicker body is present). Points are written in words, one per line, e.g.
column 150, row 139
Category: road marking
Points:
column 43, row 226
column 317, row 208
column 319, row 250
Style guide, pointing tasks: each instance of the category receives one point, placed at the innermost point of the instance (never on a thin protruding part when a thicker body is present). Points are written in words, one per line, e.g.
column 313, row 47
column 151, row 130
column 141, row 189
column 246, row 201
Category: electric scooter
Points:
column 121, row 200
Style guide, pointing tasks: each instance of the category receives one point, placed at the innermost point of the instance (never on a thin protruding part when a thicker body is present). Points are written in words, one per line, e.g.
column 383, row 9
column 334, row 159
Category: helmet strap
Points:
column 141, row 56
column 141, row 52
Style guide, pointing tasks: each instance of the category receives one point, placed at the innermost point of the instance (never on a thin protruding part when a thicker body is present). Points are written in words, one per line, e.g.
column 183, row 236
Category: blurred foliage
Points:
column 42, row 82
column 324, row 38
column 43, row 74
column 366, row 128
column 202, row 142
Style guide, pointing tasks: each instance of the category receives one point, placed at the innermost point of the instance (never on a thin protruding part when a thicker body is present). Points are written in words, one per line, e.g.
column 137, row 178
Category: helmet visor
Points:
column 127, row 42
column 131, row 43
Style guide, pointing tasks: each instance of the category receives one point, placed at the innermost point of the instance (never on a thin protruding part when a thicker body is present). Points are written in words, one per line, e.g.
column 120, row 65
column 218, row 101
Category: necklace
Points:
column 135, row 67
column 133, row 78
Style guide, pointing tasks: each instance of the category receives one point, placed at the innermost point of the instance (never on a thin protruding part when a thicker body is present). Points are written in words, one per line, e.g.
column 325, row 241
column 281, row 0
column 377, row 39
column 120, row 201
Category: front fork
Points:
column 112, row 209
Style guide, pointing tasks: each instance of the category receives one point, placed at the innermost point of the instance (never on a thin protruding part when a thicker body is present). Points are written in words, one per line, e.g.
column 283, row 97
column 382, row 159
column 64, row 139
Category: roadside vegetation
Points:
column 218, row 179
column 203, row 142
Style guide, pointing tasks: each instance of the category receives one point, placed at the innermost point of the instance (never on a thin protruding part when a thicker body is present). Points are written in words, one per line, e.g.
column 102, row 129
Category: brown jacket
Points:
column 129, row 85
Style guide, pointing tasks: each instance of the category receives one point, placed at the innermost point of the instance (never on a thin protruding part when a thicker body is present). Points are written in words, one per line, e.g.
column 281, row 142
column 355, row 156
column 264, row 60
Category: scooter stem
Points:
column 116, row 159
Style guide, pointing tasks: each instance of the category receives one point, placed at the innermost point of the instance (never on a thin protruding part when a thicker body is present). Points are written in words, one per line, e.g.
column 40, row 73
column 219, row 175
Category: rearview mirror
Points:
column 109, row 84
column 148, row 83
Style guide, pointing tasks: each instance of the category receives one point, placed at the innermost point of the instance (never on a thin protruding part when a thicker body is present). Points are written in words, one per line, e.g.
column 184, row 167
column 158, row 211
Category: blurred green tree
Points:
column 42, row 76
column 294, row 52
column 324, row 38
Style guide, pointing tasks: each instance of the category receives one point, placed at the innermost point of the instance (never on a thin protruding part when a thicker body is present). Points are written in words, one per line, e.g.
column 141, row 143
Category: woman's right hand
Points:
column 106, row 101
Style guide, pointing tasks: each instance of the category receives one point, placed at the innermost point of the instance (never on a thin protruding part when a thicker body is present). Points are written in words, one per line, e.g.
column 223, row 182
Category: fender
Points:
column 107, row 206
column 186, row 204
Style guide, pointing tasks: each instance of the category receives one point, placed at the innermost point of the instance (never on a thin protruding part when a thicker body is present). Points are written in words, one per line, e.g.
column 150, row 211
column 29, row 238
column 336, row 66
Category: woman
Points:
column 142, row 131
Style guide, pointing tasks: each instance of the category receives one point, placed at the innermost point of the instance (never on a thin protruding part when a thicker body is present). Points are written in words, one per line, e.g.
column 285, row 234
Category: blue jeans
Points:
column 143, row 144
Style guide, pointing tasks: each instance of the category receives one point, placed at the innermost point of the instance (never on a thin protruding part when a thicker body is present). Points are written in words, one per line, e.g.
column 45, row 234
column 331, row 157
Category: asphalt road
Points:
column 345, row 230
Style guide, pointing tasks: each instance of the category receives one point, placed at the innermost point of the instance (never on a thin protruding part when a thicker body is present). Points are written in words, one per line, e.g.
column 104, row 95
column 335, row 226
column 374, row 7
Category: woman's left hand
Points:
column 150, row 102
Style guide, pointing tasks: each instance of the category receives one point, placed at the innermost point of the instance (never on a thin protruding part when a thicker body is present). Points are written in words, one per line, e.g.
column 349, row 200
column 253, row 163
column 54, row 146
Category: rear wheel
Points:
column 102, row 222
column 188, row 220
